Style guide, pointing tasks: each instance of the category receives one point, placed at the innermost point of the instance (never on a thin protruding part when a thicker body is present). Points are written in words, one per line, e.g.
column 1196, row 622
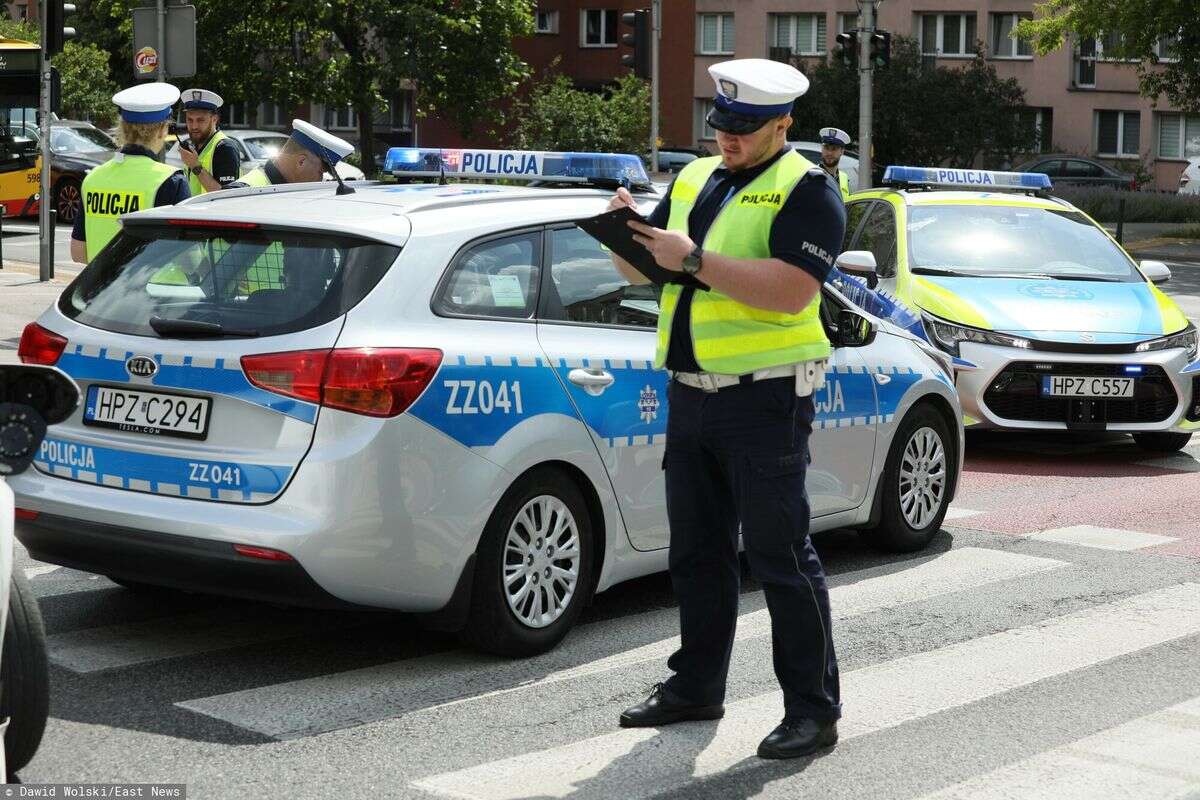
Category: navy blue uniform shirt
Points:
column 811, row 222
column 173, row 190
column 226, row 162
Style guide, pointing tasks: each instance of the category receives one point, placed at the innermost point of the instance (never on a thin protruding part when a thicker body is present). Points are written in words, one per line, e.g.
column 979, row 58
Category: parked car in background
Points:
column 255, row 147
column 673, row 159
column 76, row 148
column 1068, row 170
column 1189, row 179
column 848, row 165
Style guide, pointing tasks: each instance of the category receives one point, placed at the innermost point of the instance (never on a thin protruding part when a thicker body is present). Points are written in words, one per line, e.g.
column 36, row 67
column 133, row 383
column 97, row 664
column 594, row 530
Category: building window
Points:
column 1042, row 121
column 1085, row 63
column 272, row 115
column 947, row 34
column 847, row 22
column 1178, row 136
column 234, row 115
column 703, row 107
column 1164, row 48
column 1118, row 133
column 343, row 118
column 547, row 22
column 1003, row 43
column 715, row 34
column 804, row 34
column 400, row 111
column 598, row 28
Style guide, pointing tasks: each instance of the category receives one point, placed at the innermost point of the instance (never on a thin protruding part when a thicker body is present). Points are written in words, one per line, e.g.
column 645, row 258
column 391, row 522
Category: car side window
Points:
column 494, row 278
column 854, row 215
column 1051, row 168
column 1082, row 169
column 586, row 287
column 879, row 236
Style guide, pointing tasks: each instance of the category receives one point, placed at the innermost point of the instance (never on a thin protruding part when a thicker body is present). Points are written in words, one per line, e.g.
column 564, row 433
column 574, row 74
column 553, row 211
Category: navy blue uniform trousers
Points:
column 740, row 456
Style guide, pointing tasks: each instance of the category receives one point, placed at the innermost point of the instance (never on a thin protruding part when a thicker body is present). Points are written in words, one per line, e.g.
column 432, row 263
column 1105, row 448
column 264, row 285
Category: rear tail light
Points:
column 264, row 553
column 1133, row 184
column 377, row 382
column 40, row 346
column 25, row 513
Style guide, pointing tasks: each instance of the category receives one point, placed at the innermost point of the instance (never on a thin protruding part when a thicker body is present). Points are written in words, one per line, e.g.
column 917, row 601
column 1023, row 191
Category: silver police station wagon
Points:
column 434, row 397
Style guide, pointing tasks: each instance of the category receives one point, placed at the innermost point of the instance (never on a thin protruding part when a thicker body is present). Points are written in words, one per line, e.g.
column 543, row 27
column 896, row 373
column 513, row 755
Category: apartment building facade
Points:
column 1082, row 101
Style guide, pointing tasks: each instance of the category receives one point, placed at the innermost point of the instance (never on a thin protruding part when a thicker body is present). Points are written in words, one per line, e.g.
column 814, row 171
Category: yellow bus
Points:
column 20, row 163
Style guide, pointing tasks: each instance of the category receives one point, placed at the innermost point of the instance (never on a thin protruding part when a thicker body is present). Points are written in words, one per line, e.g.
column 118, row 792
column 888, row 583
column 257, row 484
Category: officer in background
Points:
column 833, row 146
column 133, row 179
column 305, row 157
column 760, row 225
column 211, row 158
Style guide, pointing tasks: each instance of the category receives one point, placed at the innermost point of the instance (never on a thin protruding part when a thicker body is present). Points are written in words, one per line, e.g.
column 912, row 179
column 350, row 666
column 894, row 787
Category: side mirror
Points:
column 1156, row 271
column 34, row 398
column 860, row 263
column 854, row 330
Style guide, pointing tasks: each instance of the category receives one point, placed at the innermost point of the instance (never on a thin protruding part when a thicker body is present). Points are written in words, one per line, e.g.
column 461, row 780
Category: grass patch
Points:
column 1190, row 232
column 1102, row 204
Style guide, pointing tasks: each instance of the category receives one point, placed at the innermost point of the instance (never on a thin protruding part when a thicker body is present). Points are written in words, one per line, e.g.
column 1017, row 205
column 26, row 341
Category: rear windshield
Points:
column 250, row 282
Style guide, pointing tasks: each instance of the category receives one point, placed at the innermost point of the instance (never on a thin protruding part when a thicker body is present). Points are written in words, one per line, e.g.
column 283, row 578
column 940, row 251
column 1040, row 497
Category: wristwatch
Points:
column 196, row 170
column 692, row 261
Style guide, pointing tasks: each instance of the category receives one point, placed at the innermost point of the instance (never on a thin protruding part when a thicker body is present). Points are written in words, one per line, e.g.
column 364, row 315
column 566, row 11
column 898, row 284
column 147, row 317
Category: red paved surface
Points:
column 1024, row 484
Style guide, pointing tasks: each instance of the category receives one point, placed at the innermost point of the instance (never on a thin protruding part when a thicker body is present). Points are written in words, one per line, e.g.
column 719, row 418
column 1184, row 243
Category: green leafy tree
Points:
column 984, row 123
column 87, row 89
column 557, row 116
column 18, row 29
column 1132, row 29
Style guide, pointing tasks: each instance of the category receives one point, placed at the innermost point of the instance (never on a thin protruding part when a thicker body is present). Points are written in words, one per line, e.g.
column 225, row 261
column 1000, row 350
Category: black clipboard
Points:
column 612, row 230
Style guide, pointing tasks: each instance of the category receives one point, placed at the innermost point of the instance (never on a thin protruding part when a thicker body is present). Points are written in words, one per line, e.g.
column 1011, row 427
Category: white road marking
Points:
column 331, row 702
column 875, row 698
column 960, row 513
column 40, row 569
column 1101, row 538
column 1155, row 756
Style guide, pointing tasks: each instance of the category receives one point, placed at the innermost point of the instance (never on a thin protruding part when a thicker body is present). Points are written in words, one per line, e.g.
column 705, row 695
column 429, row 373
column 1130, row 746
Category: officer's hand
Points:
column 189, row 158
column 668, row 247
column 622, row 198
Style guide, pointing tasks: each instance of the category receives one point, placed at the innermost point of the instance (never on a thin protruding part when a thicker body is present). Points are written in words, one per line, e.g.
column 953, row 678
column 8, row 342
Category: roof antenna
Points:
column 342, row 187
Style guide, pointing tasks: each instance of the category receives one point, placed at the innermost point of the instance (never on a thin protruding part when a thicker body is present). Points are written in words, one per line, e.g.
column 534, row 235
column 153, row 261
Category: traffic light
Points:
column 847, row 46
column 55, row 12
column 881, row 49
column 639, row 40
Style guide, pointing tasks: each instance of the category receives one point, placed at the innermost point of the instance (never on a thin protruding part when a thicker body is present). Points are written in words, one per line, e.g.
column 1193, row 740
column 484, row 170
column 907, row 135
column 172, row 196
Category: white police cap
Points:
column 201, row 100
column 751, row 91
column 835, row 136
column 328, row 147
column 146, row 102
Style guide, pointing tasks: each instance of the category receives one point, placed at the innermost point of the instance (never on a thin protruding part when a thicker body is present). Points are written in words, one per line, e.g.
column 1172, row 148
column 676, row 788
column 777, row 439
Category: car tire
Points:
column 68, row 199
column 25, row 673
column 912, row 506
column 1162, row 441
column 504, row 617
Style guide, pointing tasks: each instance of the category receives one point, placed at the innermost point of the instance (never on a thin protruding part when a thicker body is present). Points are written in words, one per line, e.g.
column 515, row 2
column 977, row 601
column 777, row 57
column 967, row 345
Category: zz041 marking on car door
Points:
column 483, row 397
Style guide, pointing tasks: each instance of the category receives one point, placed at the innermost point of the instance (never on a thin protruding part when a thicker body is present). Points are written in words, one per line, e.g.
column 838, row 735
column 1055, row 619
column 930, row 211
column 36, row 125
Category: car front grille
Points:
column 1015, row 393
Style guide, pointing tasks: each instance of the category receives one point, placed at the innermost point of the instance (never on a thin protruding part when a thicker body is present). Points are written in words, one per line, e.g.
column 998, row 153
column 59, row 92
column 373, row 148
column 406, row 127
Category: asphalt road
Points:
column 1043, row 646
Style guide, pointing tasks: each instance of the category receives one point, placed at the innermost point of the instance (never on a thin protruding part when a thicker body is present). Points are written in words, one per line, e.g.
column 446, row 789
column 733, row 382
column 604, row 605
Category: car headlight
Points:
column 948, row 335
column 1185, row 339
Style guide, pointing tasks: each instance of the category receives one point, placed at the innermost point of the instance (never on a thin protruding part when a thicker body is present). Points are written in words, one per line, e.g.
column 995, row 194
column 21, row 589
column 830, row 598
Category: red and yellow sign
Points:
column 145, row 60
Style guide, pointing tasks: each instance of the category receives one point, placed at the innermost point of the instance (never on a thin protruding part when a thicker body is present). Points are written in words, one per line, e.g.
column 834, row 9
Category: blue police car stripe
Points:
column 158, row 474
column 223, row 377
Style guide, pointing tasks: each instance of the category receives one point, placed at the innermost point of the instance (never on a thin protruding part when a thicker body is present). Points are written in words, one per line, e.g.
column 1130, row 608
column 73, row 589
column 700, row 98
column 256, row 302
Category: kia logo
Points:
column 141, row 366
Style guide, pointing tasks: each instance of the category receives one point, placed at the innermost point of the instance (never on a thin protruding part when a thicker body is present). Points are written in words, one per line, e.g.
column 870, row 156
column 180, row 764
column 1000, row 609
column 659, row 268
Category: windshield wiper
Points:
column 194, row 327
column 1077, row 278
column 953, row 273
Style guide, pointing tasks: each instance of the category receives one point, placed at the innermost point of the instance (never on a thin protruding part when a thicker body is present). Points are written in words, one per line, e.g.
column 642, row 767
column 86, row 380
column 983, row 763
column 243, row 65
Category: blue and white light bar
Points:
column 529, row 165
column 979, row 179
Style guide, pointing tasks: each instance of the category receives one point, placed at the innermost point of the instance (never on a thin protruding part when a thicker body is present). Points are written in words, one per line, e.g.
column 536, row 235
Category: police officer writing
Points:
column 133, row 179
column 304, row 158
column 833, row 147
column 760, row 226
column 211, row 159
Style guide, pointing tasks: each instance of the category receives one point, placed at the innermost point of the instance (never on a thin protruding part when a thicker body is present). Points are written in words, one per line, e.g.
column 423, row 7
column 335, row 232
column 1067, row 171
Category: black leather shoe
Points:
column 800, row 738
column 658, row 709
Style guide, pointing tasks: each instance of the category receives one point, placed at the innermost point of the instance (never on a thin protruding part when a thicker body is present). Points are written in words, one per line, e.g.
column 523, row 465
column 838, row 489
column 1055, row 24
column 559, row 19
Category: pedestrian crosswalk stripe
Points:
column 1155, row 756
column 116, row 646
column 1102, row 538
column 959, row 513
column 330, row 702
column 875, row 698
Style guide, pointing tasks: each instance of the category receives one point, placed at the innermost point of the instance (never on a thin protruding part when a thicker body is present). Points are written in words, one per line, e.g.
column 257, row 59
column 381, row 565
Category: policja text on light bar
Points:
column 966, row 178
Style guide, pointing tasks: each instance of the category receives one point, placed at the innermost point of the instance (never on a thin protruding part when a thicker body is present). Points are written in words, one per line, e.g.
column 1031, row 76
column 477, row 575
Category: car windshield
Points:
column 247, row 280
column 264, row 146
column 80, row 140
column 1013, row 241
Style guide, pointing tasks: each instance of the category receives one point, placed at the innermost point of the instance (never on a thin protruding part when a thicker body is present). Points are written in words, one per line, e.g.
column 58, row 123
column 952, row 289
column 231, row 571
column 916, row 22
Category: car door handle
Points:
column 593, row 379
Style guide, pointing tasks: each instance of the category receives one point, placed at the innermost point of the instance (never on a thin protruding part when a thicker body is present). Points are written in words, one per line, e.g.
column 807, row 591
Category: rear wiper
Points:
column 194, row 327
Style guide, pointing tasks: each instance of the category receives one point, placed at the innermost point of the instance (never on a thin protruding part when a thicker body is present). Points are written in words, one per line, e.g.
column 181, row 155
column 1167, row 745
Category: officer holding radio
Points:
column 759, row 226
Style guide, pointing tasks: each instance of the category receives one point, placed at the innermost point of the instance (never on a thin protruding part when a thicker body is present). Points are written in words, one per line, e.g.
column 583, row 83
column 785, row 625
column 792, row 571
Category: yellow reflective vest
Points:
column 122, row 185
column 255, row 177
column 206, row 157
column 730, row 337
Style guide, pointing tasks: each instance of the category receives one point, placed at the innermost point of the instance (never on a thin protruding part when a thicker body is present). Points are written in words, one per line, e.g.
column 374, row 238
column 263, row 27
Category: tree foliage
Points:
column 1134, row 29
column 922, row 114
column 87, row 89
column 18, row 29
column 557, row 116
